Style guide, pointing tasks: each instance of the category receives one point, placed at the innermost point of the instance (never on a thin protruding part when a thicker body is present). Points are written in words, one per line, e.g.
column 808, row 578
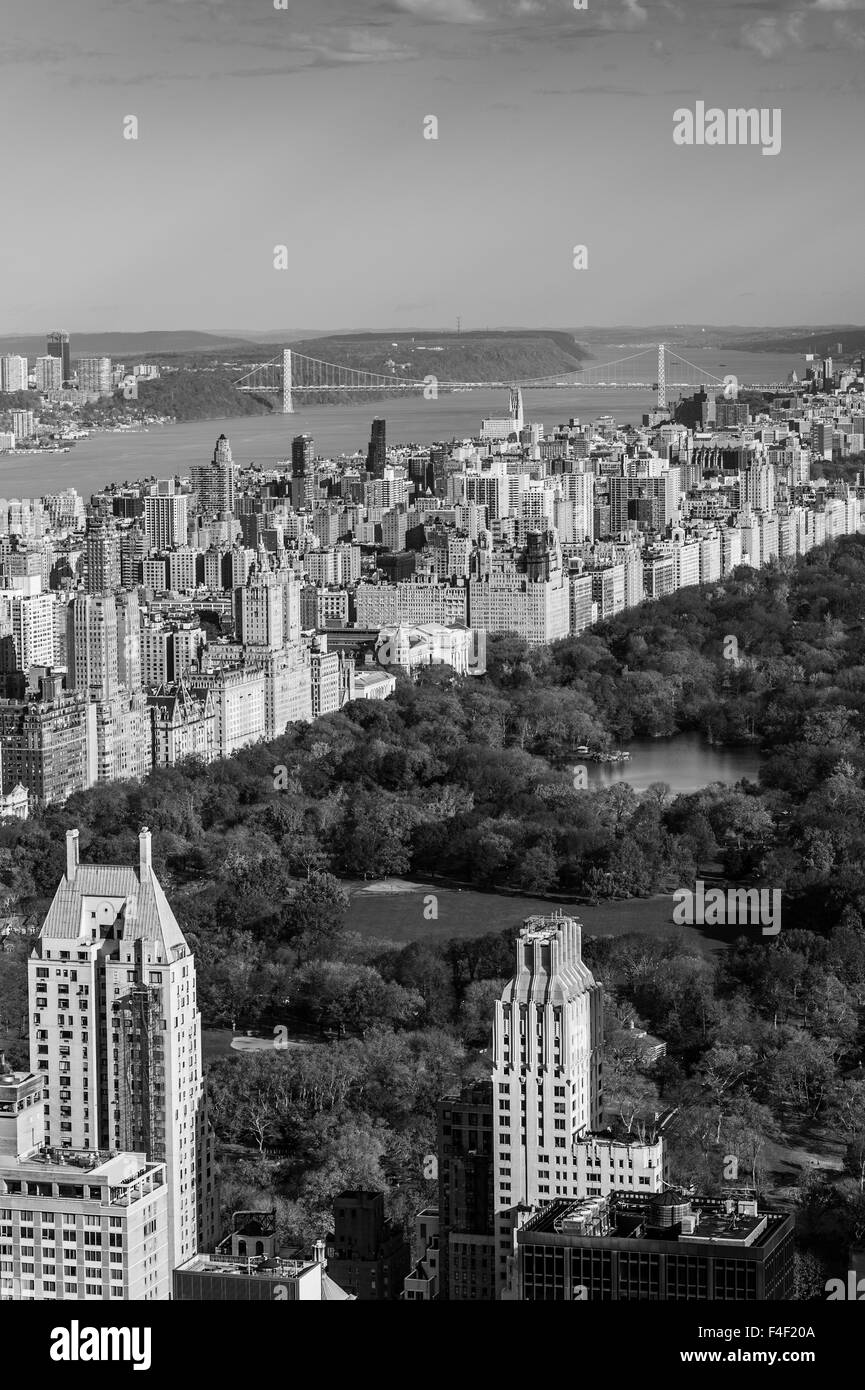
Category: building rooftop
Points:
column 127, row 901
column 243, row 1266
column 121, row 1175
column 734, row 1220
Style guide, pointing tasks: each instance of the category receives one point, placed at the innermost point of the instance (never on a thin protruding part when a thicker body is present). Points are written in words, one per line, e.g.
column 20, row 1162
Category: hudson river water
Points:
column 165, row 450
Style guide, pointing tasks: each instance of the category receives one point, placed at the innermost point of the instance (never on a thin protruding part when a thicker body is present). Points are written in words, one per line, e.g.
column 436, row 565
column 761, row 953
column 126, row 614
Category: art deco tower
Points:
column 547, row 1048
column 116, row 1031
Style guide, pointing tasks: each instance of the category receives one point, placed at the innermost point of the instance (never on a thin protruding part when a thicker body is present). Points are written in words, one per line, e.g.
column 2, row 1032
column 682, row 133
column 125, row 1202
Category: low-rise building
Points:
column 627, row 1248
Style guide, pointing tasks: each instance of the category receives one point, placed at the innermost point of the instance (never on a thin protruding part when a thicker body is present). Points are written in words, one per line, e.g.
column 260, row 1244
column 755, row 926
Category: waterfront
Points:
column 165, row 450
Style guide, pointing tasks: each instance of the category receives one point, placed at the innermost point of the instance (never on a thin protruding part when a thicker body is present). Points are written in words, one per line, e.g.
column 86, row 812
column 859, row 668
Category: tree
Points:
column 315, row 913
column 477, row 1010
column 846, row 1111
column 721, row 1069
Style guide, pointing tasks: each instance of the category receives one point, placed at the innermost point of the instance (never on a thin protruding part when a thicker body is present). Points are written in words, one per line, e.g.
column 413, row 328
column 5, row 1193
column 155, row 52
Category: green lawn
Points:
column 400, row 916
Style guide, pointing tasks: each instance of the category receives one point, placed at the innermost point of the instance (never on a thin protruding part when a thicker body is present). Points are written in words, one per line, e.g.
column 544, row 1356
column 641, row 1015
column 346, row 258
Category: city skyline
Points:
column 359, row 749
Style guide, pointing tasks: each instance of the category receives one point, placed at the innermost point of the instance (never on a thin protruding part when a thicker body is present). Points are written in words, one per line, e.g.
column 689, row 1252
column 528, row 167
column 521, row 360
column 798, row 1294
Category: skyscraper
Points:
column 26, row 630
column 214, row 482
column 57, row 345
column 49, row 373
column 13, row 373
column 165, row 515
column 133, row 550
column 302, row 455
column 259, row 607
column 102, row 557
column 376, row 454
column 92, row 646
column 118, row 1032
column 547, row 1044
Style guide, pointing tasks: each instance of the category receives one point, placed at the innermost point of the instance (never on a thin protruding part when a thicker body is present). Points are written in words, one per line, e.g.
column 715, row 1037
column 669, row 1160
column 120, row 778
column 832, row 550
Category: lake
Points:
column 685, row 762
column 164, row 450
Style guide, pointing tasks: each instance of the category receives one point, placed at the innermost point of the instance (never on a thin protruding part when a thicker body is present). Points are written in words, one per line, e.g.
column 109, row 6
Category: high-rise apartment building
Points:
column 44, row 738
column 102, row 556
column 134, row 549
column 259, row 610
column 128, row 639
column 547, row 1045
column 26, row 629
column 466, row 1183
column 302, row 455
column 376, row 454
column 530, row 595
column 117, row 1033
column 214, row 482
column 23, row 421
column 49, row 373
column 165, row 515
column 92, row 645
column 94, row 375
column 57, row 345
column 13, row 374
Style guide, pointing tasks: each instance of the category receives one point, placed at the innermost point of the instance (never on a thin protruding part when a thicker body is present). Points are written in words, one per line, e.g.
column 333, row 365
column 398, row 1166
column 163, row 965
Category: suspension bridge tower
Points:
column 287, row 403
column 662, row 383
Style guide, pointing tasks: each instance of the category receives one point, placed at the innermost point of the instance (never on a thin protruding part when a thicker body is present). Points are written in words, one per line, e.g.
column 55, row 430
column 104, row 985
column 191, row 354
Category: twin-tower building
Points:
column 107, row 1177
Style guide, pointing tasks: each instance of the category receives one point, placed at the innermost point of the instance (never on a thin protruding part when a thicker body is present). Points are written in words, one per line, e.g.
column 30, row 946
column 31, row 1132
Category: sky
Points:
column 303, row 127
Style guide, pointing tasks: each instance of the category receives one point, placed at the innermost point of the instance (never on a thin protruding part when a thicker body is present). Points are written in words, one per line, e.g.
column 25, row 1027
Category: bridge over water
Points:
column 660, row 370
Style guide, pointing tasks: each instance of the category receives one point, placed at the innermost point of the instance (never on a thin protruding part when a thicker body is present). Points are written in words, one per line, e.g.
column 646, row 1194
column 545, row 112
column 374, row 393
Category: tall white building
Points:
column 13, row 373
column 117, row 1033
column 94, row 375
column 27, row 621
column 49, row 373
column 165, row 515
column 547, row 1047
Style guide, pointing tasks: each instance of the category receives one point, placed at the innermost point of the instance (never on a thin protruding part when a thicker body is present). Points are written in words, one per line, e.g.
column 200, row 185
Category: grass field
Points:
column 399, row 916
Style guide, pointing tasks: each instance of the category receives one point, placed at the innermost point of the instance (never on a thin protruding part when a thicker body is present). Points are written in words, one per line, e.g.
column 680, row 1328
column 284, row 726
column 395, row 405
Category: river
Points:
column 165, row 450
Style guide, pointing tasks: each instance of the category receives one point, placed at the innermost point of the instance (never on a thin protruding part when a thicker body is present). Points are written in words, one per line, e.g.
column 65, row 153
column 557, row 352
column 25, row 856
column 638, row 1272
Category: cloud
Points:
column 846, row 34
column 350, row 46
column 438, row 11
column 629, row 14
column 771, row 35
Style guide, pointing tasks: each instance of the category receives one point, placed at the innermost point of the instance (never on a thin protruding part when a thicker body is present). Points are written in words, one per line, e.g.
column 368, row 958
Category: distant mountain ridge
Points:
column 561, row 343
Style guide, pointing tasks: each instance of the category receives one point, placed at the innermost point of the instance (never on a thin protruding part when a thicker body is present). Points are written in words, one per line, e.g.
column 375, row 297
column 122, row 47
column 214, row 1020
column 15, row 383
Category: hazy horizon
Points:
column 304, row 127
column 259, row 334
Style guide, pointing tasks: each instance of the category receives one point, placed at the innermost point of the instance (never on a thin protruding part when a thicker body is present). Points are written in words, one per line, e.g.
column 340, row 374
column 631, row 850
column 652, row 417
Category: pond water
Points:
column 685, row 762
